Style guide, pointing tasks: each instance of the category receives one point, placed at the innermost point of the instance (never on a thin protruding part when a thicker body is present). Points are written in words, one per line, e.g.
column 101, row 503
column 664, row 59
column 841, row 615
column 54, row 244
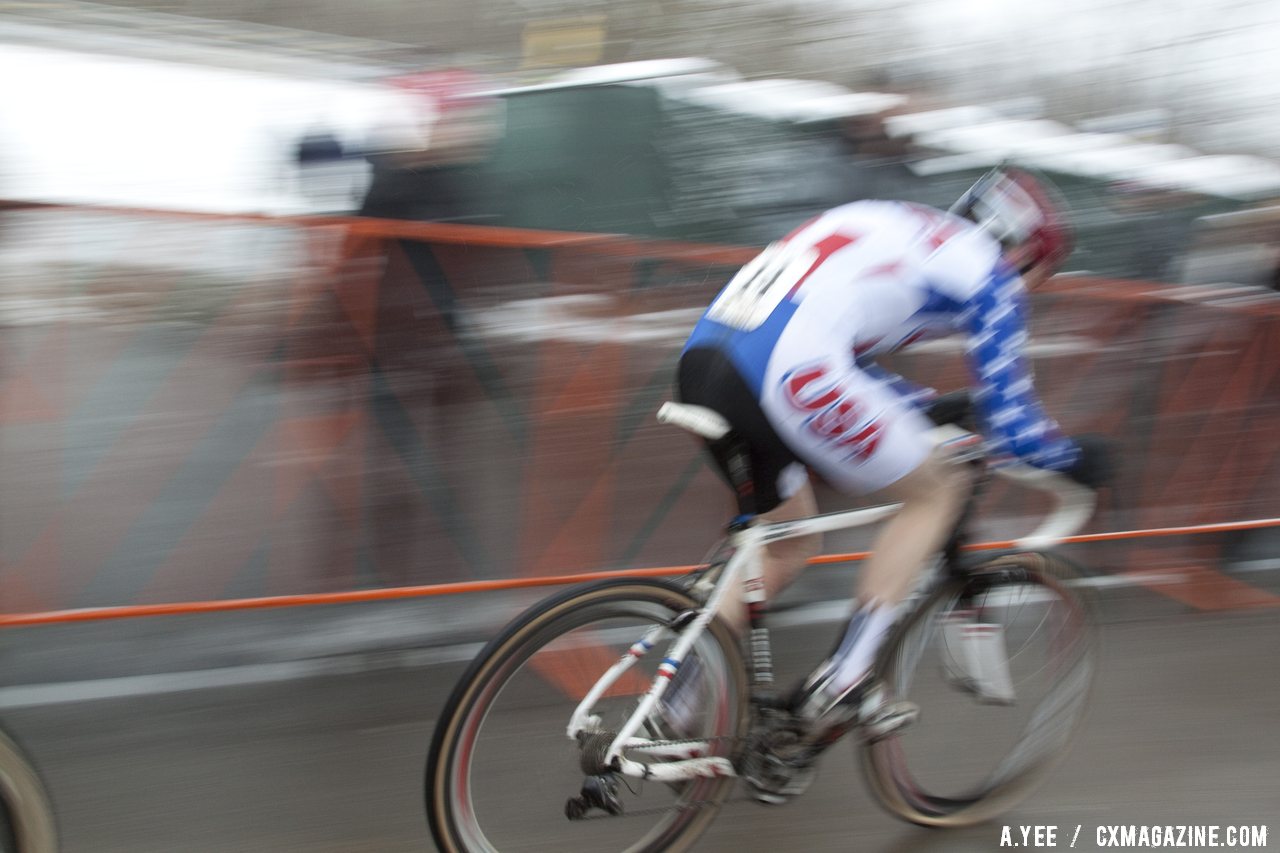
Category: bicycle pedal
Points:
column 889, row 720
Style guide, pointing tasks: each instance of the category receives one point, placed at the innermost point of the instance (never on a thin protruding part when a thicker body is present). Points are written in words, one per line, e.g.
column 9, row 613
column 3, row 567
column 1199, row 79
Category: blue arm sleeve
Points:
column 1004, row 394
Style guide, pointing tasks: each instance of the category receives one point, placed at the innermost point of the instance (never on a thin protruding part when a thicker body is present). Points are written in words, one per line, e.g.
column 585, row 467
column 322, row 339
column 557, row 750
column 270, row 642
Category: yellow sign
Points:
column 563, row 42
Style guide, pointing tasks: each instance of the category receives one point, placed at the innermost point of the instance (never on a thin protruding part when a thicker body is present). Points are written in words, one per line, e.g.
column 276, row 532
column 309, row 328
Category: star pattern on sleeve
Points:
column 1005, row 395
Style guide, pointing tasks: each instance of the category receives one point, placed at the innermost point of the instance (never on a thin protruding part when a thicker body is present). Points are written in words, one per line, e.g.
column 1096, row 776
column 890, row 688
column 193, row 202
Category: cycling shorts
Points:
column 850, row 428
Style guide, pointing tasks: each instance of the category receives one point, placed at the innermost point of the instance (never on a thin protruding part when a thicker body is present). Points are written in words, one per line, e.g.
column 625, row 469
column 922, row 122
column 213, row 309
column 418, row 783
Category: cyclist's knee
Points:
column 938, row 481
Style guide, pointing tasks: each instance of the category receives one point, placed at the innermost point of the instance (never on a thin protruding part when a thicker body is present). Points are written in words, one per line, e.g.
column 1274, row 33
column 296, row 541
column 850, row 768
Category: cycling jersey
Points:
column 803, row 322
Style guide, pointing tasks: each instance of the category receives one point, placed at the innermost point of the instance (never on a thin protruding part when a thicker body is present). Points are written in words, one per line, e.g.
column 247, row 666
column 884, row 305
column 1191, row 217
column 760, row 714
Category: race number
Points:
column 776, row 273
column 761, row 285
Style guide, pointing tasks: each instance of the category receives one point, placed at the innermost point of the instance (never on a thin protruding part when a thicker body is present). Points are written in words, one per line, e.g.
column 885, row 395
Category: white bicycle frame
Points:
column 689, row 759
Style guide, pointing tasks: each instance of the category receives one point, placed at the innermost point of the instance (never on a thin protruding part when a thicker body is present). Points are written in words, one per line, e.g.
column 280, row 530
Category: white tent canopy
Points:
column 793, row 100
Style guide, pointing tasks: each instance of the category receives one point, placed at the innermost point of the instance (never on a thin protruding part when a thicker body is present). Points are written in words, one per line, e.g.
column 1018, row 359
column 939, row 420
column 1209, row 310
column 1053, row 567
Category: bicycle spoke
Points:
column 504, row 775
column 973, row 752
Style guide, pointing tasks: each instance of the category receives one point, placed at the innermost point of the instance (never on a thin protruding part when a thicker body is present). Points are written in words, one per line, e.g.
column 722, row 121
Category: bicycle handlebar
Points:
column 1073, row 503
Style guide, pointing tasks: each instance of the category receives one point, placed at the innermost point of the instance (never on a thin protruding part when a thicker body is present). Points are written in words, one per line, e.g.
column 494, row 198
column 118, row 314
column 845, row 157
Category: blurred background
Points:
column 304, row 298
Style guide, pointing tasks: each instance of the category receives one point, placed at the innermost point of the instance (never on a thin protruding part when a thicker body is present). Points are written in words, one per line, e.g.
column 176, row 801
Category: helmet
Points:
column 1022, row 212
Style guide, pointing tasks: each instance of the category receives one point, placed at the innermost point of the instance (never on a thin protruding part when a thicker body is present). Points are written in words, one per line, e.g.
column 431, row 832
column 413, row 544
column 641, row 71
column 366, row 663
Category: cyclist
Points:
column 786, row 354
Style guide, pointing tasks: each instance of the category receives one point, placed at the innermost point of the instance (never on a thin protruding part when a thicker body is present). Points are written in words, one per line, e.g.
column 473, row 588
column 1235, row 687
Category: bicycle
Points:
column 977, row 635
column 26, row 818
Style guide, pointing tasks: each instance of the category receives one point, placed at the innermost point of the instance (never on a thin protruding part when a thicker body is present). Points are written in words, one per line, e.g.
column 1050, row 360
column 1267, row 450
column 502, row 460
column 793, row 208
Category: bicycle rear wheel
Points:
column 1001, row 664
column 501, row 765
column 26, row 818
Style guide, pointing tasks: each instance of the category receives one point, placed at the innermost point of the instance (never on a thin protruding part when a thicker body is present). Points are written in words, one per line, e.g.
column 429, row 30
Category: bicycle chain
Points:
column 675, row 742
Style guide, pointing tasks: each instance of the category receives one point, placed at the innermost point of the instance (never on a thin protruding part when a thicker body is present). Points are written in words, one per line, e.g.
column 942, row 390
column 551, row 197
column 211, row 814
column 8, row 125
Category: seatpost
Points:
column 738, row 463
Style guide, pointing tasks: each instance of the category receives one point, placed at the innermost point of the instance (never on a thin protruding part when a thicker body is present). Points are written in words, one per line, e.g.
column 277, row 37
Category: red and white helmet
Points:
column 1023, row 212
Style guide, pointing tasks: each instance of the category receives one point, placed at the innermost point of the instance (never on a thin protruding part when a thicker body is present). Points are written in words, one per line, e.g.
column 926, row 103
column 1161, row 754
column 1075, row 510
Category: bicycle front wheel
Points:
column 1001, row 665
column 502, row 765
column 26, row 818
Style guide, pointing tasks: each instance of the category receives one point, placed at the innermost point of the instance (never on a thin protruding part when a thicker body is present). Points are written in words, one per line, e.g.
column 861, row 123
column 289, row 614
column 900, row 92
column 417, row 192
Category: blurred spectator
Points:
column 434, row 169
column 441, row 176
column 327, row 175
column 319, row 147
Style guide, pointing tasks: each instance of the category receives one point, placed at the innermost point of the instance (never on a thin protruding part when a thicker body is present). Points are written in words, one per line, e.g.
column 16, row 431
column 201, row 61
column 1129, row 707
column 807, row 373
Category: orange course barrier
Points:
column 243, row 409
column 100, row 614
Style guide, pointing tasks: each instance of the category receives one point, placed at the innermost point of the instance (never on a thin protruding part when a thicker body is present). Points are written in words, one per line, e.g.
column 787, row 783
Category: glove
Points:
column 955, row 407
column 1093, row 469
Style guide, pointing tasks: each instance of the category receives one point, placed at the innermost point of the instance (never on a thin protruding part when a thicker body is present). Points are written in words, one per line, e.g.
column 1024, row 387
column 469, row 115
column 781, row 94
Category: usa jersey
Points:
column 804, row 321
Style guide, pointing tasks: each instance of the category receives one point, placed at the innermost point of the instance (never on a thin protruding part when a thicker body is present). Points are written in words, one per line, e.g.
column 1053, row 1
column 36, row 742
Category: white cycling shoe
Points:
column 880, row 716
column 865, row 705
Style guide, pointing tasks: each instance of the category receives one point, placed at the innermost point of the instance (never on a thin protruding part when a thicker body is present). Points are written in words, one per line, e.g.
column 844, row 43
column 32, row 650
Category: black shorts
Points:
column 706, row 377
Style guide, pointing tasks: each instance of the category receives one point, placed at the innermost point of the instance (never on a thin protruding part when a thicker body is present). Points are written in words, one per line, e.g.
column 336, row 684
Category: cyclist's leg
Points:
column 781, row 488
column 784, row 559
column 932, row 496
column 863, row 438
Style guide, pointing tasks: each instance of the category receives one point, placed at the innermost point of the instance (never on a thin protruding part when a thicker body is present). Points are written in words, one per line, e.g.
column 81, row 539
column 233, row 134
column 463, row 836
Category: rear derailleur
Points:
column 600, row 792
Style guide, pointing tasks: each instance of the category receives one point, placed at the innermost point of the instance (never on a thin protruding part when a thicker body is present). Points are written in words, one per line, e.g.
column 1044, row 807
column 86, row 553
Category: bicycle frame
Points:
column 744, row 572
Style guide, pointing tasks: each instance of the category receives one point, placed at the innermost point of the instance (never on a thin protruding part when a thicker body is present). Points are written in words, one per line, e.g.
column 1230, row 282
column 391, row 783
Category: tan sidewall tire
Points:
column 26, row 801
column 459, row 706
